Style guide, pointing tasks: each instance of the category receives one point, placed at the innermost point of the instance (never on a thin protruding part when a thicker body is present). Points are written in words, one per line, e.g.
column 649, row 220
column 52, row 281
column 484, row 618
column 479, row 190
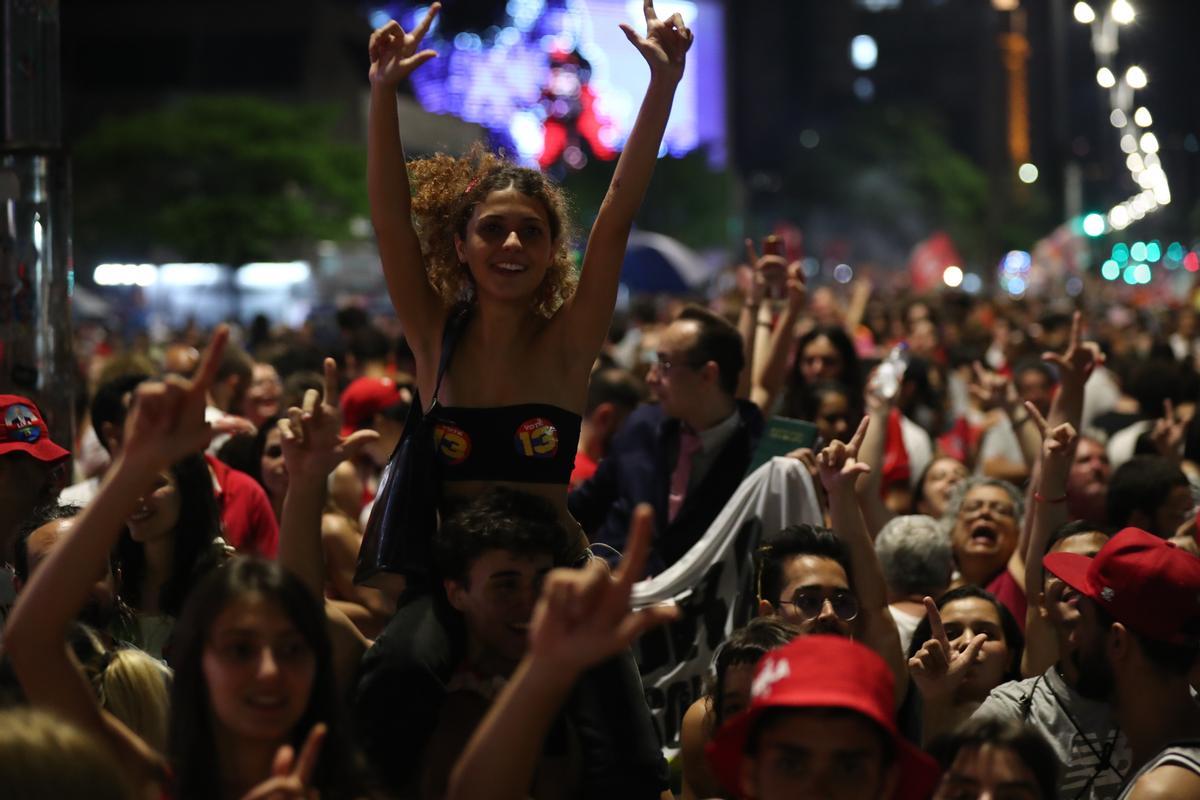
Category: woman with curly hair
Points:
column 481, row 233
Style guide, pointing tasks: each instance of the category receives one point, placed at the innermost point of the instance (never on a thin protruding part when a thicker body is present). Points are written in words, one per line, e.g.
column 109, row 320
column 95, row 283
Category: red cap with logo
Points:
column 22, row 430
column 366, row 397
column 823, row 671
column 1145, row 583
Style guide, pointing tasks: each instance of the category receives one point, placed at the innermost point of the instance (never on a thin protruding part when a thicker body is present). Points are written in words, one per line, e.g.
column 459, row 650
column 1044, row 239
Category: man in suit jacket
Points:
column 686, row 455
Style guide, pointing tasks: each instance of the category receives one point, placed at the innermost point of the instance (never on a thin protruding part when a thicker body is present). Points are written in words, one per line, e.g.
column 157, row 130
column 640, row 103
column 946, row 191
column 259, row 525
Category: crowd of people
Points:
column 372, row 565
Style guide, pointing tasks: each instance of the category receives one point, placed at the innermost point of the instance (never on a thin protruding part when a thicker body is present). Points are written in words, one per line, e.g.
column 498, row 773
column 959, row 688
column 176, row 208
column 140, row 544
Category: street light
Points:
column 1142, row 117
column 1135, row 77
column 1123, row 12
column 1084, row 13
column 1117, row 118
column 1105, row 78
column 1149, row 142
column 1028, row 173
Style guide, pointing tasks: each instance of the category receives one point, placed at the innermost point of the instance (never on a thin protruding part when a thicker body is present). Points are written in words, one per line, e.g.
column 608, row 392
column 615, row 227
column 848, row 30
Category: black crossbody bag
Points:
column 399, row 532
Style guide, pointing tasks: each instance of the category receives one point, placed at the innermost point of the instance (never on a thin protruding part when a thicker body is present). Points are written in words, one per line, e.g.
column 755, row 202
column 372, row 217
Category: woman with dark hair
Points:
column 825, row 353
column 171, row 539
column 833, row 409
column 728, row 693
column 967, row 645
column 253, row 667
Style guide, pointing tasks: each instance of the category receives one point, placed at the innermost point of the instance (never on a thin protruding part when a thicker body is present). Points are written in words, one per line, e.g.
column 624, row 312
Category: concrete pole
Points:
column 36, row 275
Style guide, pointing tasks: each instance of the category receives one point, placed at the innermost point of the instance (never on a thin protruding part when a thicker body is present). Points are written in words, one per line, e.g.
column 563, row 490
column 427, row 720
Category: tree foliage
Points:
column 222, row 179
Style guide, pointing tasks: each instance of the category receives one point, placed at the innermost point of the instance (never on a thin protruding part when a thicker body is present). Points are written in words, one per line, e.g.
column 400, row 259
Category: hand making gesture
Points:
column 394, row 53
column 939, row 667
column 1058, row 443
column 665, row 44
column 991, row 389
column 291, row 777
column 311, row 436
column 1081, row 357
column 584, row 616
column 166, row 421
column 838, row 463
column 1169, row 432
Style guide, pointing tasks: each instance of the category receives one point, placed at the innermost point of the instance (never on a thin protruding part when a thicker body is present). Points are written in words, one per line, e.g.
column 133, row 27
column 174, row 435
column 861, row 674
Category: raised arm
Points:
column 394, row 55
column 870, row 485
column 839, row 468
column 588, row 314
column 748, row 319
column 771, row 373
column 1049, row 514
column 165, row 424
column 582, row 617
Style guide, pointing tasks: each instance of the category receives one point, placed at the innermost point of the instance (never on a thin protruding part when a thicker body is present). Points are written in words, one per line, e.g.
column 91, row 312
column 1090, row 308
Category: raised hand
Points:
column 291, row 777
column 583, row 615
column 665, row 44
column 311, row 436
column 991, row 389
column 394, row 54
column 838, row 464
column 1059, row 442
column 1081, row 357
column 939, row 669
column 1169, row 432
column 166, row 421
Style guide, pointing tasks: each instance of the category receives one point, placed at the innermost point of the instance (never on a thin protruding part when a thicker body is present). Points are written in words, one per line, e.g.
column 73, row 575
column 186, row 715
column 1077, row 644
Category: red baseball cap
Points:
column 823, row 671
column 366, row 397
column 1144, row 582
column 22, row 430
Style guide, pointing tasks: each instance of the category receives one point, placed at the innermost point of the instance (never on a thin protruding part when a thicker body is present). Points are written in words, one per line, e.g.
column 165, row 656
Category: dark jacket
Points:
column 637, row 469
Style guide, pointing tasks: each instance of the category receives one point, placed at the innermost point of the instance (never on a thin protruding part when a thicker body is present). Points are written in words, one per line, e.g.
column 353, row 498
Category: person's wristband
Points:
column 1038, row 496
column 1019, row 421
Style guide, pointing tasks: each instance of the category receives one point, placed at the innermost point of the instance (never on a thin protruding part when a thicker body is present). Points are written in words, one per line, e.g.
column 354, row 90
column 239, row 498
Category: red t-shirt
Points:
column 585, row 468
column 247, row 520
column 1010, row 593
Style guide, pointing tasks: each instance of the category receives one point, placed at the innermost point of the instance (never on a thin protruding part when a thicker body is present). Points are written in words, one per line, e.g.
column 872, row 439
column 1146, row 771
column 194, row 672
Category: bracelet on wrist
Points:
column 1019, row 421
column 1038, row 496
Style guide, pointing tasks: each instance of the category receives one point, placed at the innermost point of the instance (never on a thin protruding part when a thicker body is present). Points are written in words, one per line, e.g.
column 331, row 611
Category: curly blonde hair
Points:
column 446, row 190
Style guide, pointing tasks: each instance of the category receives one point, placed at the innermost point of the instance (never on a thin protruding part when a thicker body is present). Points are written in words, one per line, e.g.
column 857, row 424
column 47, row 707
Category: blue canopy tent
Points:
column 656, row 263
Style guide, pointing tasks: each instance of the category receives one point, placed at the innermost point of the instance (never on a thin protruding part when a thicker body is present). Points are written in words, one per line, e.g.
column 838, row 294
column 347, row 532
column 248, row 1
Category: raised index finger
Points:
column 1043, row 426
column 648, row 9
column 331, row 383
column 936, row 628
column 307, row 763
column 210, row 360
column 637, row 548
column 857, row 439
column 423, row 27
column 1076, row 330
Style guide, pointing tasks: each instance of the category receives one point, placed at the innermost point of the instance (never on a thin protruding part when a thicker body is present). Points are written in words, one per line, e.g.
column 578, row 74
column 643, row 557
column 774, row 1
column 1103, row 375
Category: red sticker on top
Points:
column 451, row 443
column 537, row 438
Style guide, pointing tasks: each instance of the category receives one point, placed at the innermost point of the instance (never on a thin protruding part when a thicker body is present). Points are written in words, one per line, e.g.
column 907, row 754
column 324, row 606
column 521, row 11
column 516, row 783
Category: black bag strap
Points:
column 455, row 323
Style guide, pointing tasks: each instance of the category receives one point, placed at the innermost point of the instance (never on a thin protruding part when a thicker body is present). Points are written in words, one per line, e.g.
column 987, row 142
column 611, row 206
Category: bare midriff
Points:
column 456, row 492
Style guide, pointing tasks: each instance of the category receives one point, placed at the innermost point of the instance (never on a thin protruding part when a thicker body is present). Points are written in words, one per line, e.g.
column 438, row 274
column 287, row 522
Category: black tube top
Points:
column 528, row 443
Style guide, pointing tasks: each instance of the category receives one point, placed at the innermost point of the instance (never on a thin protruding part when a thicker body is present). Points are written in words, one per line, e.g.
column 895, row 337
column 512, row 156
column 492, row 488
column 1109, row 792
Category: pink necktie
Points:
column 689, row 445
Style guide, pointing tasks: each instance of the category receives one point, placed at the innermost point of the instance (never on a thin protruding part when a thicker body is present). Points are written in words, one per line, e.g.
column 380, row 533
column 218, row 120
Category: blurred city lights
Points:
column 1153, row 251
column 1175, row 251
column 953, row 277
column 1142, row 117
column 1136, row 77
column 1105, row 78
column 1129, row 143
column 1118, row 217
column 1016, row 286
column 1135, row 163
column 842, row 273
column 1191, row 262
column 265, row 275
column 125, row 275
column 864, row 88
column 1138, row 251
column 972, row 283
column 1149, row 142
column 1117, row 118
column 1122, row 12
column 1093, row 224
column 1142, row 273
column 864, row 52
column 191, row 274
column 1111, row 270
column 1120, row 252
column 1028, row 173
column 1074, row 286
column 1084, row 13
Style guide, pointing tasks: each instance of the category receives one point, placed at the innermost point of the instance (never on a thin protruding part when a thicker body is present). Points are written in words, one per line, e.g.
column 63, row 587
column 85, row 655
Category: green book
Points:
column 782, row 436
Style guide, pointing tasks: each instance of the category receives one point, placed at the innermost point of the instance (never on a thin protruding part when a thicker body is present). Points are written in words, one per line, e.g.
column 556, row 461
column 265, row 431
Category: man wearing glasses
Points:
column 684, row 456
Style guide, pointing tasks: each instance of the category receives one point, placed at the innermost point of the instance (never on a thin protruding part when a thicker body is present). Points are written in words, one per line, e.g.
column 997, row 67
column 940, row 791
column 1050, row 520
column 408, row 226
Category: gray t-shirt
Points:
column 1081, row 731
column 1180, row 755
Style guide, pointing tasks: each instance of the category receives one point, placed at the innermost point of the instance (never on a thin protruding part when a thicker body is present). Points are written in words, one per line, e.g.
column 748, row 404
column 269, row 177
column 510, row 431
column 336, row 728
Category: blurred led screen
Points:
column 556, row 82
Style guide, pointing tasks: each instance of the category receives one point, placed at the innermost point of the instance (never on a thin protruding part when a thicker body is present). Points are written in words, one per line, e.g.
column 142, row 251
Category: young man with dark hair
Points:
column 1138, row 639
column 1151, row 493
column 684, row 456
column 613, row 394
column 821, row 723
